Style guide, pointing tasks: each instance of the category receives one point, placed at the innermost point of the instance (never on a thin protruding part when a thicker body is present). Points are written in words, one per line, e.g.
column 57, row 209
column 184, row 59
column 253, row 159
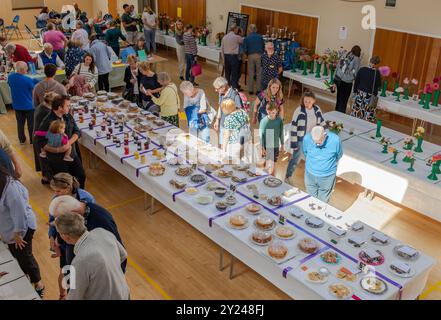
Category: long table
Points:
column 209, row 52
column 289, row 274
column 406, row 108
column 364, row 163
column 14, row 285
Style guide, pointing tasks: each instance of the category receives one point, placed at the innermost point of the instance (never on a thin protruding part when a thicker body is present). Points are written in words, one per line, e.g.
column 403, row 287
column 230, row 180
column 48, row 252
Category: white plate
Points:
column 349, row 295
column 365, row 286
column 229, row 225
column 406, row 275
column 261, row 244
column 191, row 193
column 315, row 282
column 208, row 200
column 269, row 229
column 281, row 238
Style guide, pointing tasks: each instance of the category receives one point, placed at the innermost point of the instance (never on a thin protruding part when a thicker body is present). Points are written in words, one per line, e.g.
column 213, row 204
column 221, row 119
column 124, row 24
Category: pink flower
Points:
column 415, row 81
column 406, row 81
column 409, row 154
column 435, row 86
column 428, row 88
column 385, row 71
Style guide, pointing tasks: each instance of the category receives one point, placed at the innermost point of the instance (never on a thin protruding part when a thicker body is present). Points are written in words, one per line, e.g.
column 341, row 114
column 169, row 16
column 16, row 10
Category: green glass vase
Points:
column 311, row 66
column 422, row 99
column 435, row 102
column 412, row 163
column 379, row 125
column 332, row 75
column 398, row 97
column 433, row 176
column 384, row 89
column 394, row 160
column 325, row 70
column 427, row 101
column 318, row 70
column 419, row 146
column 385, row 149
column 437, row 169
column 395, row 89
column 406, row 94
column 305, row 68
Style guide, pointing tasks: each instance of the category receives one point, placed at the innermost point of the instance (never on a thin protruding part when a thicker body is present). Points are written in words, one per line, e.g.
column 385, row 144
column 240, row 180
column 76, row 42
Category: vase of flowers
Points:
column 407, row 156
column 396, row 78
column 436, row 91
column 419, row 135
column 219, row 37
column 398, row 92
column 379, row 125
column 428, row 90
column 394, row 151
column 334, row 127
column 422, row 97
column 408, row 143
column 312, row 64
column 435, row 162
column 406, row 84
column 333, row 59
column 325, row 65
column 411, row 163
column 385, row 142
column 204, row 32
column 319, row 67
column 305, row 59
column 385, row 73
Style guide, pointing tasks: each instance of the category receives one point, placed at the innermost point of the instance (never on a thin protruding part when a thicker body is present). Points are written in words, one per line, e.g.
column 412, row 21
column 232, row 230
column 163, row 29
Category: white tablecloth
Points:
column 213, row 224
column 209, row 52
column 15, row 285
column 364, row 163
column 406, row 108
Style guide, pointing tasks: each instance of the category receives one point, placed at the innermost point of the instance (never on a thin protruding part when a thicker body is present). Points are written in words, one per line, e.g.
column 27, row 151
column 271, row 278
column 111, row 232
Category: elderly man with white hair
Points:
column 81, row 35
column 17, row 52
column 49, row 56
column 98, row 256
column 21, row 91
column 94, row 215
column 322, row 151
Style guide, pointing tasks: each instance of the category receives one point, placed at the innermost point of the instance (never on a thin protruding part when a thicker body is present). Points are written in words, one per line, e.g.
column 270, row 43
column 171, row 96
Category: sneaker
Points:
column 68, row 159
column 22, row 142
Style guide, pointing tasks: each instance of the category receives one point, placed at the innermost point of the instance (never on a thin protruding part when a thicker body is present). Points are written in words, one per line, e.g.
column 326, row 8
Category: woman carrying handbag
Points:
column 367, row 84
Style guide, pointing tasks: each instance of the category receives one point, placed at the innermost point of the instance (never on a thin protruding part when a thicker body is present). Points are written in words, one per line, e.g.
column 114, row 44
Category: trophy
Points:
column 268, row 29
column 279, row 35
column 282, row 50
column 273, row 34
column 286, row 33
column 293, row 36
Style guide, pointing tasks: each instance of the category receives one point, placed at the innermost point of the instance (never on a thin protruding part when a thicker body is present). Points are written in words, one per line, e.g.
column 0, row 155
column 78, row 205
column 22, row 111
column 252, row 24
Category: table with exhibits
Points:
column 14, row 285
column 406, row 108
column 307, row 248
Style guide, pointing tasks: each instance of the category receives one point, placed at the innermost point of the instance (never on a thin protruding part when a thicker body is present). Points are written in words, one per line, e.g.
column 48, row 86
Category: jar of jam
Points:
column 126, row 150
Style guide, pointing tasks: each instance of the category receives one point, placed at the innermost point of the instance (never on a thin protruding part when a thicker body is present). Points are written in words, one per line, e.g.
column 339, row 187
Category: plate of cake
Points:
column 316, row 277
column 253, row 209
column 277, row 250
column 340, row 291
column 285, row 233
column 238, row 222
column 265, row 223
column 308, row 245
column 261, row 238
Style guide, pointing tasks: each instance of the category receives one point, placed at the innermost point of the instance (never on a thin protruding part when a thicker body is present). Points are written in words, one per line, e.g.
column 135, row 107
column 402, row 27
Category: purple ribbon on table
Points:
column 210, row 220
column 132, row 155
column 400, row 287
column 109, row 146
column 307, row 258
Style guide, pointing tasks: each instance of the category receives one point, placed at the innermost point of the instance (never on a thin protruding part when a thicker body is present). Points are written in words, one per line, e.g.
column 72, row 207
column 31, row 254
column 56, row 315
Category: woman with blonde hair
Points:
column 272, row 95
column 168, row 102
column 63, row 184
column 180, row 49
column 236, row 129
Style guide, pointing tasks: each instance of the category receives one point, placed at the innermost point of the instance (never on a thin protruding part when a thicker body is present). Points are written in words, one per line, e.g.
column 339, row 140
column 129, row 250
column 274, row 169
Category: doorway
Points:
column 143, row 3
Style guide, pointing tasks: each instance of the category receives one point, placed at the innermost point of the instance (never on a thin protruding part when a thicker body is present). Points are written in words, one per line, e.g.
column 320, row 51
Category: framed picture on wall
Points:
column 239, row 19
column 27, row 4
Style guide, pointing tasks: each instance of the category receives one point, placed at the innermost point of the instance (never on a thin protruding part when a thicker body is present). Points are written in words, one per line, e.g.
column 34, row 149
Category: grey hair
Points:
column 63, row 204
column 233, row 27
column 47, row 45
column 186, row 86
column 70, row 224
column 164, row 78
column 253, row 28
column 10, row 48
column 21, row 67
column 220, row 82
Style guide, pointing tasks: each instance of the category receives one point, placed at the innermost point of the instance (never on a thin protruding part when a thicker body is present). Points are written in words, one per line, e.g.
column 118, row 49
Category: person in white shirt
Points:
column 81, row 35
column 150, row 21
column 97, row 261
column 48, row 55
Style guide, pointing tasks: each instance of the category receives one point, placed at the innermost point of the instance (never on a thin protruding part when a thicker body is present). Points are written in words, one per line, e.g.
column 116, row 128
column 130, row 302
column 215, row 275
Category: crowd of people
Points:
column 83, row 234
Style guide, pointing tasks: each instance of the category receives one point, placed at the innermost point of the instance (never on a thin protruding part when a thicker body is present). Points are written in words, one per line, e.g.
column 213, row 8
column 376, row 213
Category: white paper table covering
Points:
column 199, row 216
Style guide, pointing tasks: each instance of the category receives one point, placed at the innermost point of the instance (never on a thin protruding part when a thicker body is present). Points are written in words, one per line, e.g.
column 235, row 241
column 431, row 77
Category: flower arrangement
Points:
column 436, row 89
column 435, row 162
column 315, row 57
column 419, row 135
column 325, row 59
column 410, row 158
column 385, row 72
column 408, row 143
column 394, row 151
column 399, row 91
column 304, row 57
column 428, row 91
column 335, row 126
column 320, row 60
column 396, row 77
column 219, row 37
column 385, row 142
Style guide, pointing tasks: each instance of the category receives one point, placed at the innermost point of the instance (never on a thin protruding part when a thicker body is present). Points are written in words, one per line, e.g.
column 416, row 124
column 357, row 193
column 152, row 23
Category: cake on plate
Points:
column 308, row 245
column 238, row 220
column 277, row 250
column 261, row 237
column 156, row 169
column 285, row 232
column 264, row 222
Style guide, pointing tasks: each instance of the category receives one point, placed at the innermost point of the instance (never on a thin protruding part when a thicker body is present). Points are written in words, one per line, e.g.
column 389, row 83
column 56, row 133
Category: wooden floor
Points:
column 171, row 259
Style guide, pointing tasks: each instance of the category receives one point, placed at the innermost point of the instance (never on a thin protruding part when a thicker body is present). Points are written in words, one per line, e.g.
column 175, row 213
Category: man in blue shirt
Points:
column 21, row 92
column 253, row 47
column 322, row 151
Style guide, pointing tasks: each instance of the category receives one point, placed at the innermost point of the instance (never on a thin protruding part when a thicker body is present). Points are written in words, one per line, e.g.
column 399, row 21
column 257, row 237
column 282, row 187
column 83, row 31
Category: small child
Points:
column 271, row 137
column 56, row 138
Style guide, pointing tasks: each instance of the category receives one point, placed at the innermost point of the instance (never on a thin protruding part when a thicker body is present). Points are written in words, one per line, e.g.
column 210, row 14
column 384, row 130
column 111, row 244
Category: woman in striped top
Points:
column 191, row 52
column 88, row 69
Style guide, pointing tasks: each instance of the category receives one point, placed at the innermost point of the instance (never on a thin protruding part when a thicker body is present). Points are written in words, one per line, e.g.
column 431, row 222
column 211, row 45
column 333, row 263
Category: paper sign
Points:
column 343, row 33
column 142, row 56
column 179, row 12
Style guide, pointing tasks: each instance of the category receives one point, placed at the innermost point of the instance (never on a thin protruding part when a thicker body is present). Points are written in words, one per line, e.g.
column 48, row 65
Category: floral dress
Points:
column 73, row 58
column 235, row 122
